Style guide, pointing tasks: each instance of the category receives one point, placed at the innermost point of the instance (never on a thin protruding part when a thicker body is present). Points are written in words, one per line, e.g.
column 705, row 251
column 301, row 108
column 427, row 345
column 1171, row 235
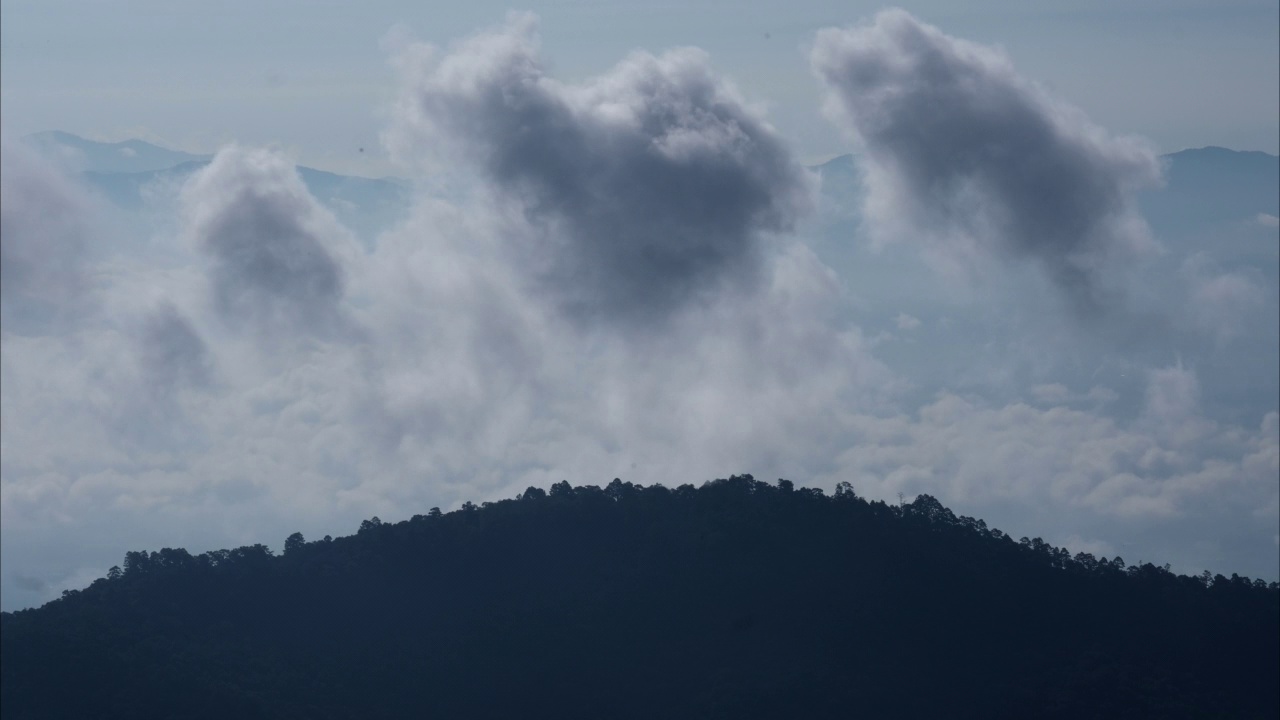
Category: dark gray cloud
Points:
column 30, row 584
column 270, row 244
column 962, row 149
column 44, row 224
column 649, row 186
column 173, row 353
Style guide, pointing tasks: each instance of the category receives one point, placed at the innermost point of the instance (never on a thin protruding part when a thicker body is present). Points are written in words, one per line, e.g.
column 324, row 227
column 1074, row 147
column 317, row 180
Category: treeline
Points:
column 738, row 599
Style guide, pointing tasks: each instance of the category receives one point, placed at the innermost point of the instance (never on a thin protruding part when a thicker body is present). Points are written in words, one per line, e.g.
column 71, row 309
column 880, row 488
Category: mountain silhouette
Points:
column 132, row 174
column 738, row 599
column 128, row 156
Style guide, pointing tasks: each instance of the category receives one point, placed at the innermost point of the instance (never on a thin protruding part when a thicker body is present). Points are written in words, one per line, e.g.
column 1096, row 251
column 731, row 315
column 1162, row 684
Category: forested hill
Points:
column 739, row 599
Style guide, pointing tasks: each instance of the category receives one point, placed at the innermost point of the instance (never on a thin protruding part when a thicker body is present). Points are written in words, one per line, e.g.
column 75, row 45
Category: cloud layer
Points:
column 964, row 151
column 649, row 186
column 612, row 284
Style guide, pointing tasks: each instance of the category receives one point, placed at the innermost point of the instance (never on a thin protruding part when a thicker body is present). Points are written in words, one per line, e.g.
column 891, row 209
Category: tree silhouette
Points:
column 737, row 599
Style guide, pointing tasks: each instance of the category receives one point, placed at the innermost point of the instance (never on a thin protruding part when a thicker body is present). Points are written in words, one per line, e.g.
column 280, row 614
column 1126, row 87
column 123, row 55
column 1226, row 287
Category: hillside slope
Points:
column 739, row 599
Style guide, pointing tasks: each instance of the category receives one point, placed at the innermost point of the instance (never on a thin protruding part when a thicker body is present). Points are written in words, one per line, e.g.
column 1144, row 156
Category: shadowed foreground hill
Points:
column 739, row 599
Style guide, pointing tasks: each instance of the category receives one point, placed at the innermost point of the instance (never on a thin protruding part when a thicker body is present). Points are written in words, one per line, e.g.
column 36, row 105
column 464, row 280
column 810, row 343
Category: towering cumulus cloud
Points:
column 964, row 151
column 646, row 187
column 273, row 250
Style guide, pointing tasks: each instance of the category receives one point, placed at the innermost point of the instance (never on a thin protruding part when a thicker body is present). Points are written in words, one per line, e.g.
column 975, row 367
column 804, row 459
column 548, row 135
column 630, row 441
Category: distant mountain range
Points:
column 1205, row 188
column 129, row 156
column 1214, row 185
column 125, row 173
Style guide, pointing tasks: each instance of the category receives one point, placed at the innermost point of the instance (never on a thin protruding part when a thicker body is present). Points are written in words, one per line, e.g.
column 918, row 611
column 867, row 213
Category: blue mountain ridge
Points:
column 1210, row 188
column 128, row 156
column 125, row 172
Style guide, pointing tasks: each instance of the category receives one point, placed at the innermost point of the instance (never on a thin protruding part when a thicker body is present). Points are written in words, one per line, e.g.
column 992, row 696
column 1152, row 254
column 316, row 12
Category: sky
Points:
column 314, row 77
column 617, row 262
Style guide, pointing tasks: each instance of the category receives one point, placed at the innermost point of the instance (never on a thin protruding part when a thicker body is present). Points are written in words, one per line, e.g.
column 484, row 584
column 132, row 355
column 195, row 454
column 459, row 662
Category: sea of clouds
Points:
column 633, row 276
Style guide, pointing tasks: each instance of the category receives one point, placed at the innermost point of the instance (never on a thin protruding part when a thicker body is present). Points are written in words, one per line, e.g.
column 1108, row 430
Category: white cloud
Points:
column 1168, row 464
column 962, row 150
column 1219, row 304
column 906, row 322
column 1050, row 393
column 45, row 221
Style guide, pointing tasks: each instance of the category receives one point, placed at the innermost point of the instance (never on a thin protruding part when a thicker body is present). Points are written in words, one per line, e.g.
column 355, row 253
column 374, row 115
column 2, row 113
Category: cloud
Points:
column 45, row 221
column 154, row 426
column 1223, row 305
column 32, row 584
column 173, row 353
column 962, row 150
column 1220, row 304
column 648, row 188
column 248, row 370
column 1050, row 393
column 906, row 322
column 1169, row 463
column 1059, row 394
column 1172, row 409
column 274, row 253
column 487, row 388
column 1270, row 221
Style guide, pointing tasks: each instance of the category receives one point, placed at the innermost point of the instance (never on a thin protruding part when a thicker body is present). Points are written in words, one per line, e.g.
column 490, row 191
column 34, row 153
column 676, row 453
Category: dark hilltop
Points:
column 738, row 599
